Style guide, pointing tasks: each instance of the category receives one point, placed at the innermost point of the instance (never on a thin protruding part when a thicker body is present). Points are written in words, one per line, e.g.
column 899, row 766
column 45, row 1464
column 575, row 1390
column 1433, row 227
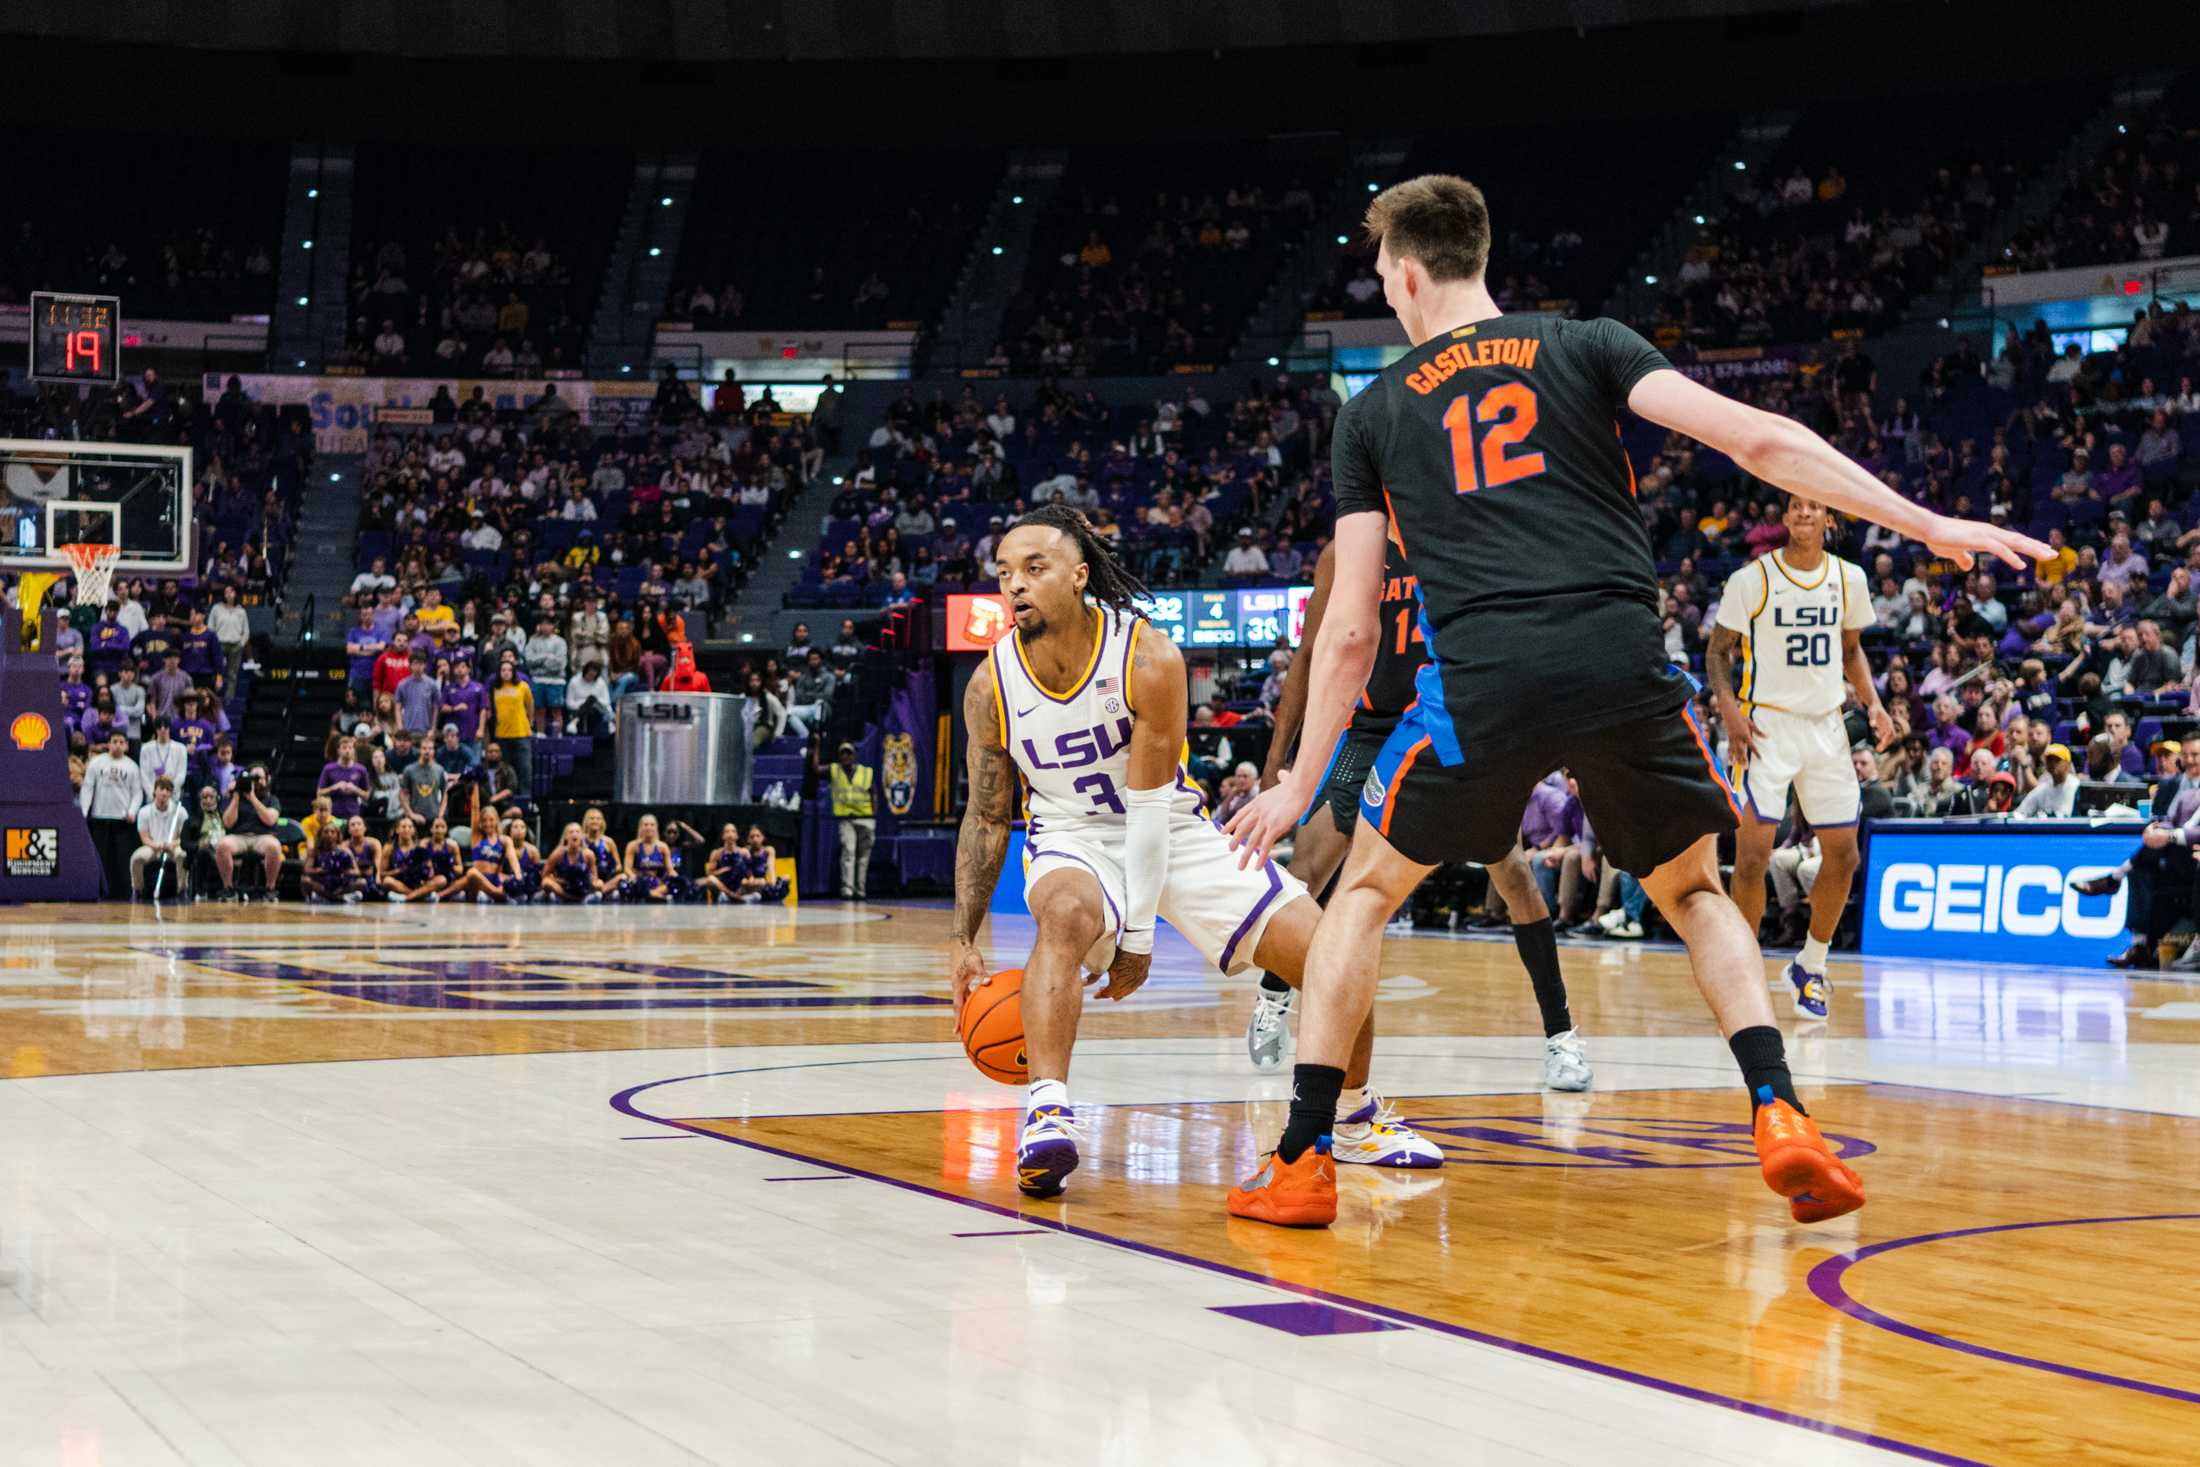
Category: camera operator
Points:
column 248, row 820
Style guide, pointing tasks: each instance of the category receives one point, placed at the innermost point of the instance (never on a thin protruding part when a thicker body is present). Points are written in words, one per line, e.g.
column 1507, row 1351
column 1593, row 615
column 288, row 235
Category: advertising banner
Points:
column 1995, row 895
column 345, row 410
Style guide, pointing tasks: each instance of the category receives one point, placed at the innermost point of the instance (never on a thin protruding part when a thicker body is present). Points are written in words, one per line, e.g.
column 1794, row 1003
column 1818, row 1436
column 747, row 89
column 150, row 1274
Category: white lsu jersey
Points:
column 1074, row 748
column 1791, row 625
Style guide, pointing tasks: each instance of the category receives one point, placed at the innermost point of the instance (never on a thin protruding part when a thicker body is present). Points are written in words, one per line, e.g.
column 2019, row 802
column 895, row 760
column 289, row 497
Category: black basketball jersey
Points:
column 1494, row 450
column 1400, row 651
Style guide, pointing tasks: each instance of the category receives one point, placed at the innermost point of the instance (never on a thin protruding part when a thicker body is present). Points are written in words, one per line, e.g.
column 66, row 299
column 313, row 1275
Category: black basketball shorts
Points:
column 1650, row 786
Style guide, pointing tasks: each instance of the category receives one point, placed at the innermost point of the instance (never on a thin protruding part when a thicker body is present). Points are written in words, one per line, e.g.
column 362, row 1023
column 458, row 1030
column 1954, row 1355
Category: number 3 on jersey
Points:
column 1507, row 413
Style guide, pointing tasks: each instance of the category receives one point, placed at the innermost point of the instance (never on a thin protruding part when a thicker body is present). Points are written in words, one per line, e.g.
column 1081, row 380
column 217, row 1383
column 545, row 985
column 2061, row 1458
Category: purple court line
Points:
column 836, row 1177
column 623, row 1102
column 1826, row 1281
column 1002, row 1233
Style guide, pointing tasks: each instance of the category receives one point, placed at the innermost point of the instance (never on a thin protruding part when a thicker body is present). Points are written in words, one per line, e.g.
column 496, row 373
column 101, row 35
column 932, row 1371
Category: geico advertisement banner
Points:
column 2001, row 897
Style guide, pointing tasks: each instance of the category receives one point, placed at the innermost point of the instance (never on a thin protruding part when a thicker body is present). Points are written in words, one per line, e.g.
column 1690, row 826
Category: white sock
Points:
column 1813, row 955
column 1350, row 1099
column 1046, row 1092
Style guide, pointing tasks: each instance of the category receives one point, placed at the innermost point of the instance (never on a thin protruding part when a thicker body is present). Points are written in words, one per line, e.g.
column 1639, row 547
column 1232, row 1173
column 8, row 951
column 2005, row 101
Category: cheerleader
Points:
column 526, row 882
column 727, row 867
column 366, row 856
column 329, row 874
column 610, row 871
column 408, row 865
column 570, row 875
column 652, row 872
column 489, row 872
column 763, row 882
column 445, row 860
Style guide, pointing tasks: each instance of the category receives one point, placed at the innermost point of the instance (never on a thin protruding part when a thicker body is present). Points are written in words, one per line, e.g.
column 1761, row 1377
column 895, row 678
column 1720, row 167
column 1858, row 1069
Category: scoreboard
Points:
column 1225, row 617
column 76, row 338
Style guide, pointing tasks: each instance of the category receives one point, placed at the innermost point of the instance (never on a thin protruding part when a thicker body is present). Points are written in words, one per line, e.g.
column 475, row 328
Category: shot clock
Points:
column 76, row 338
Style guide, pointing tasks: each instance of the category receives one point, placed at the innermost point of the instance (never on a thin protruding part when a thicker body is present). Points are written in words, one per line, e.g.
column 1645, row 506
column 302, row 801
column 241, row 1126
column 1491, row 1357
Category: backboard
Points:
column 132, row 495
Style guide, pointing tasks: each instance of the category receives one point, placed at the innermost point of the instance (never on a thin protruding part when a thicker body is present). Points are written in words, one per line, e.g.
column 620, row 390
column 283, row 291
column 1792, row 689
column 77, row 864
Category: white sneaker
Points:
column 481, row 899
column 592, row 899
column 1376, row 1135
column 435, row 896
column 1398, row 927
column 1613, row 920
column 1626, row 931
column 1565, row 1062
column 393, row 896
column 351, row 899
column 1266, row 1031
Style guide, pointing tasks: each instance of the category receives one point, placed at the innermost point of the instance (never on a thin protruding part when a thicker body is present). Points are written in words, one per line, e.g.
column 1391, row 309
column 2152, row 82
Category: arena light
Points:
column 1699, row 218
column 1649, row 280
column 301, row 300
column 1374, row 188
column 794, row 555
column 996, row 249
column 313, row 193
column 1740, row 166
column 1275, row 361
column 1015, row 198
column 836, row 480
column 626, row 368
column 301, row 361
column 1341, row 239
column 665, row 202
column 654, row 252
column 305, row 244
column 2121, row 128
column 336, row 478
column 748, row 636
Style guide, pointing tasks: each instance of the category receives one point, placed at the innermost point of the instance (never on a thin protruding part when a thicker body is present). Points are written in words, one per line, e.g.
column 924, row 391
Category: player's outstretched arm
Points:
column 1291, row 707
column 1783, row 452
column 983, row 847
column 1343, row 656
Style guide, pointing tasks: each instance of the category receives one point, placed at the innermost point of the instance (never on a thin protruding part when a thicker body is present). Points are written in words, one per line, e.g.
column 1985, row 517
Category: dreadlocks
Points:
column 1111, row 584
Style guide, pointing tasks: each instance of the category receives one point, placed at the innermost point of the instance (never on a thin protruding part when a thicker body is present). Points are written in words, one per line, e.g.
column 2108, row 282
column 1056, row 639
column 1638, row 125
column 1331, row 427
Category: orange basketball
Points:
column 992, row 1028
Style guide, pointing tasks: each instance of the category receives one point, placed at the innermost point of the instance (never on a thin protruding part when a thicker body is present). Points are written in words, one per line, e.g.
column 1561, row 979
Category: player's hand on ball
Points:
column 969, row 970
column 1125, row 975
column 1256, row 828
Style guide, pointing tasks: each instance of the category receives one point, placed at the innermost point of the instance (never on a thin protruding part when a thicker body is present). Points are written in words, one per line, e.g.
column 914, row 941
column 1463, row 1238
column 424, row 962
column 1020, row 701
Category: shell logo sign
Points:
column 30, row 731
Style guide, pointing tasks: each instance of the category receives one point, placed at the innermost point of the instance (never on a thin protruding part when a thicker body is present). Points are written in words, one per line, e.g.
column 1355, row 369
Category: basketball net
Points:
column 95, row 571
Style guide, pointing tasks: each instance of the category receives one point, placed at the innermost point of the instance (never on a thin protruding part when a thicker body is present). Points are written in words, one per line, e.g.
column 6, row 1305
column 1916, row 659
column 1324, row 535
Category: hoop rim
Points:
column 87, row 554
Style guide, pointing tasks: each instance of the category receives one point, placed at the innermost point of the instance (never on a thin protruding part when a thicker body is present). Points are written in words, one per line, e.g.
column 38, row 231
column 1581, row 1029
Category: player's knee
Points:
column 1067, row 912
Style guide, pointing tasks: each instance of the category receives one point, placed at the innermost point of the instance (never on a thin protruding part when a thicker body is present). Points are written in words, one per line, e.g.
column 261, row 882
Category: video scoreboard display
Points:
column 1197, row 618
column 76, row 338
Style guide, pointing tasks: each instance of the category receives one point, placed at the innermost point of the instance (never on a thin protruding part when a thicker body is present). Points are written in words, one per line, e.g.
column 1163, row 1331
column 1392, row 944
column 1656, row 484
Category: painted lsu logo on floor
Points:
column 1622, row 1142
column 514, row 983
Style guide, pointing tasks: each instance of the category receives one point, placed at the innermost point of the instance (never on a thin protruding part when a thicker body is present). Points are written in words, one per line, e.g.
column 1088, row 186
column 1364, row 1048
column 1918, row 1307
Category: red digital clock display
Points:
column 76, row 338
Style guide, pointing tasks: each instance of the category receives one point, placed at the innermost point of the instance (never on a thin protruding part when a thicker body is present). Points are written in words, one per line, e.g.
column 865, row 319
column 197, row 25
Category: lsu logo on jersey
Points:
column 1079, row 747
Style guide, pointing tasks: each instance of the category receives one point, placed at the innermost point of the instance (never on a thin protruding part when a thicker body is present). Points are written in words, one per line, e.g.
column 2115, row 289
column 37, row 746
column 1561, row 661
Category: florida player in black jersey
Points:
column 1491, row 451
column 1325, row 832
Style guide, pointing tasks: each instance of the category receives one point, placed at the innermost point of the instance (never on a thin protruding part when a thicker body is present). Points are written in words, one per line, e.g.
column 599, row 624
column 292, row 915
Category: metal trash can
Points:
column 683, row 749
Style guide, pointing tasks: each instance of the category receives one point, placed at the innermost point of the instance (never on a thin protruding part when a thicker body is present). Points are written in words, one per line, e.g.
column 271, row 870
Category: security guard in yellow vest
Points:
column 852, row 808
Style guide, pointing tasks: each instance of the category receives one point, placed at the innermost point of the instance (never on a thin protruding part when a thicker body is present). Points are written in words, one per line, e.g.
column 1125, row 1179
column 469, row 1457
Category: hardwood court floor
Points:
column 521, row 1236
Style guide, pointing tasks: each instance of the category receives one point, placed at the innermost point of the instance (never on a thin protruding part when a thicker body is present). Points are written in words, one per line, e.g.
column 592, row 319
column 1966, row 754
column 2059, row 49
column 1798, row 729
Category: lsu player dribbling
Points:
column 1795, row 616
column 1085, row 702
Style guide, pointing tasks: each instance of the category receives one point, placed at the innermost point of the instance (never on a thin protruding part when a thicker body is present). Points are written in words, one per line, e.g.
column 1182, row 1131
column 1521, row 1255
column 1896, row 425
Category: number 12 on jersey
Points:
column 1507, row 415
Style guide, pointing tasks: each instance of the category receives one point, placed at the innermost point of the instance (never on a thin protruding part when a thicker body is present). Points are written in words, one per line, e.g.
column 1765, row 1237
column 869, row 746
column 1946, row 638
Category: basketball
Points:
column 992, row 1027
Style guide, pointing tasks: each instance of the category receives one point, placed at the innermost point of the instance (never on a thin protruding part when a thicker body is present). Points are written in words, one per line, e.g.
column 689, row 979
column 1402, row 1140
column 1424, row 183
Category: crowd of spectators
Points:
column 2139, row 201
column 1142, row 260
column 824, row 255
column 1180, row 484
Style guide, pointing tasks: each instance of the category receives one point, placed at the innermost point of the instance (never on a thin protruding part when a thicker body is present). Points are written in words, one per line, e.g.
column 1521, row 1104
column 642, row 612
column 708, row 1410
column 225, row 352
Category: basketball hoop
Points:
column 95, row 571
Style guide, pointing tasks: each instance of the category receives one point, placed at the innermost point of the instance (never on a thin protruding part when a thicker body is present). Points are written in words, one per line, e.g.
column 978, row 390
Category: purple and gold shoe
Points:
column 1811, row 991
column 1376, row 1135
column 1047, row 1152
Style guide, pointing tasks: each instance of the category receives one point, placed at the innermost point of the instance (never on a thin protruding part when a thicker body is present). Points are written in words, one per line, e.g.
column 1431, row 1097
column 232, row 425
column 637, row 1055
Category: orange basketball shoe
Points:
column 1291, row 1194
column 1797, row 1165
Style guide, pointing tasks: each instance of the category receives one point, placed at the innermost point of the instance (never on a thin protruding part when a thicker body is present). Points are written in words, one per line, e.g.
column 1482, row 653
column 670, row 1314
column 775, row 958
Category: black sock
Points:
column 1314, row 1091
column 1270, row 983
column 1763, row 1058
column 1538, row 945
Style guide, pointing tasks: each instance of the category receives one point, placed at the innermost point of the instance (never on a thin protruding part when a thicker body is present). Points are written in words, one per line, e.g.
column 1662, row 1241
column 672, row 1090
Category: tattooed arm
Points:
column 1742, row 732
column 983, row 846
